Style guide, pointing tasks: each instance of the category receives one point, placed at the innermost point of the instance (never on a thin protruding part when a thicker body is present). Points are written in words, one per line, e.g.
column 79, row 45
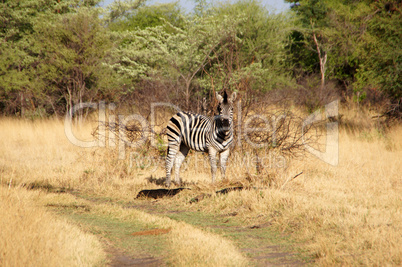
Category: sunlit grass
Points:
column 345, row 214
column 31, row 236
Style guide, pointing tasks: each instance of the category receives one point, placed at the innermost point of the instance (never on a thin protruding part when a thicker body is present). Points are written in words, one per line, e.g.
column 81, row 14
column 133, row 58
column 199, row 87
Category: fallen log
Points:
column 219, row 192
column 159, row 193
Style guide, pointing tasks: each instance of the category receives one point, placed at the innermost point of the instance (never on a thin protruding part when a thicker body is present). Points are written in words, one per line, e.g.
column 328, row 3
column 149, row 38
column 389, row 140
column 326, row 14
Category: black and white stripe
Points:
column 187, row 131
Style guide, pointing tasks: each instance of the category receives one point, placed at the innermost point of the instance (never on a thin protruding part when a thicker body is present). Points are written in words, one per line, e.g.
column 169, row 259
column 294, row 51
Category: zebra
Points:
column 214, row 135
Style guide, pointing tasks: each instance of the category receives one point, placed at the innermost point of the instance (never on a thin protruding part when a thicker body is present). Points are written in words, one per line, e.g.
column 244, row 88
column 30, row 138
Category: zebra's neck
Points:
column 221, row 132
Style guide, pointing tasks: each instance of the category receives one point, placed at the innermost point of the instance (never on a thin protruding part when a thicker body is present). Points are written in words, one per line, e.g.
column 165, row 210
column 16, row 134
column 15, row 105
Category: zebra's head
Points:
column 225, row 108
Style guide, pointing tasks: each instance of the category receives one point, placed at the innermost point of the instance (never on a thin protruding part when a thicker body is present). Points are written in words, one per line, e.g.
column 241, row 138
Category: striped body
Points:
column 187, row 131
column 198, row 132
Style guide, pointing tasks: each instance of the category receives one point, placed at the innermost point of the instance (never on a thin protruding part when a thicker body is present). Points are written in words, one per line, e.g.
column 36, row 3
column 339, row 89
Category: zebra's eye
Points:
column 219, row 109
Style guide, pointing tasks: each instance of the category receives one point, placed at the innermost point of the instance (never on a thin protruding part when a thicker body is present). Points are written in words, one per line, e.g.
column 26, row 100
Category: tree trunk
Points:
column 22, row 98
column 323, row 61
column 187, row 94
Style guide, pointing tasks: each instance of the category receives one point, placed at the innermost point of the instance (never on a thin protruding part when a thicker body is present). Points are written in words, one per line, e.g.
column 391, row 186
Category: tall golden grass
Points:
column 348, row 214
column 37, row 155
column 31, row 236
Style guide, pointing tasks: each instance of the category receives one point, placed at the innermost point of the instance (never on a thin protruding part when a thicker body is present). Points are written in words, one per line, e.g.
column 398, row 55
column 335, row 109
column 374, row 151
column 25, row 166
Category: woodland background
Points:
column 55, row 54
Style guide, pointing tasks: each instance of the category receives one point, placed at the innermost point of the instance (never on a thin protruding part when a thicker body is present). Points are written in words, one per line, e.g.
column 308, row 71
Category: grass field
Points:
column 32, row 236
column 348, row 214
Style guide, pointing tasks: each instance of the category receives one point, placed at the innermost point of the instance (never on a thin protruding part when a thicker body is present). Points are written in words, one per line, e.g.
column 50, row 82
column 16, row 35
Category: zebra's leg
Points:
column 224, row 155
column 212, row 158
column 170, row 158
column 180, row 156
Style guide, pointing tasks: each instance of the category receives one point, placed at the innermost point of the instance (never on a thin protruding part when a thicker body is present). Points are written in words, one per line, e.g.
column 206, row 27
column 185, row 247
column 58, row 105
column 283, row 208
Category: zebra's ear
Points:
column 233, row 97
column 219, row 97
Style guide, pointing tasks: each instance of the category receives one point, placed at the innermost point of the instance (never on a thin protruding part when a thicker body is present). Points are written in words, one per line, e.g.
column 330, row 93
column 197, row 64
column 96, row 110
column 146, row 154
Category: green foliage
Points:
column 150, row 16
column 314, row 11
column 138, row 53
column 362, row 40
column 120, row 9
column 381, row 51
column 71, row 48
column 237, row 45
column 27, row 79
column 255, row 53
column 55, row 54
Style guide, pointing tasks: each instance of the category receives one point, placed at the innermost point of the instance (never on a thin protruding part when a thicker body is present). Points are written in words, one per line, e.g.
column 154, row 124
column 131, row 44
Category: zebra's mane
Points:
column 225, row 97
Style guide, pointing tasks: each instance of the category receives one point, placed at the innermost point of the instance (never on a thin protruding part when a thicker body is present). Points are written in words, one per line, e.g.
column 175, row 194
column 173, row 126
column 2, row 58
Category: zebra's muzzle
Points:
column 225, row 124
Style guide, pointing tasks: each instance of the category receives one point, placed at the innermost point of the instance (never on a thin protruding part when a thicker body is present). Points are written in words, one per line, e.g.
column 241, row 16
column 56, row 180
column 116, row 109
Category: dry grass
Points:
column 349, row 214
column 30, row 236
column 38, row 154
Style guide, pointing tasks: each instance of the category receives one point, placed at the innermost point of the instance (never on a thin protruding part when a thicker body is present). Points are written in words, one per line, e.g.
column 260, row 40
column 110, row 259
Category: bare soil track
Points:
column 120, row 258
column 262, row 245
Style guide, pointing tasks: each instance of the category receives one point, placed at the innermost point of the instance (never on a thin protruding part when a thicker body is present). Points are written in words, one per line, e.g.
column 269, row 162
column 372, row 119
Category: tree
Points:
column 21, row 87
column 200, row 43
column 360, row 38
column 380, row 49
column 149, row 16
column 72, row 48
column 314, row 17
column 175, row 50
column 233, row 45
column 255, row 55
column 118, row 10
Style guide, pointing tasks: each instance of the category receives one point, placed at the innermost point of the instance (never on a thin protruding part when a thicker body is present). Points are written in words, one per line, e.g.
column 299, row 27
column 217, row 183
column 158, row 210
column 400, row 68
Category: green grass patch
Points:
column 116, row 232
column 259, row 242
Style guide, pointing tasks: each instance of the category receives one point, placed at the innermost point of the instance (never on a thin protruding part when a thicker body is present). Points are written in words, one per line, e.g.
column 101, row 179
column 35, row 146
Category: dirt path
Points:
column 259, row 243
column 120, row 258
column 262, row 246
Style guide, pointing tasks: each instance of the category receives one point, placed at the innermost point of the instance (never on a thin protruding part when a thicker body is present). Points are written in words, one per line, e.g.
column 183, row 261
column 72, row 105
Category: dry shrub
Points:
column 311, row 96
column 274, row 134
column 157, row 89
column 38, row 155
